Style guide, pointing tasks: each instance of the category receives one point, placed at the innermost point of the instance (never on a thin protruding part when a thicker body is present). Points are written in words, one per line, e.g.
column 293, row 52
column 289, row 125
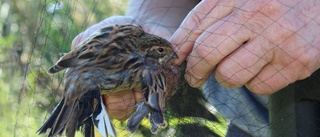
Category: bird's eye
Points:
column 160, row 50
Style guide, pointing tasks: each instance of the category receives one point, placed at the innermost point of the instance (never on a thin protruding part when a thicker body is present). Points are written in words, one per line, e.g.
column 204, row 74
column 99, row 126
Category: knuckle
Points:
column 228, row 78
column 194, row 80
column 308, row 63
column 204, row 52
column 194, row 74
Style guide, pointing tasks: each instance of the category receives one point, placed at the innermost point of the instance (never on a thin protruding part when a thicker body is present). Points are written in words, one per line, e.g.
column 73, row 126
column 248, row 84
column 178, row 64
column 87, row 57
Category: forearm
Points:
column 167, row 14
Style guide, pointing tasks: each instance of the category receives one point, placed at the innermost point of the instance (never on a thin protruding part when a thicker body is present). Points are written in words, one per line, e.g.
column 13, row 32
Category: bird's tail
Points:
column 62, row 118
column 73, row 117
column 50, row 122
column 102, row 121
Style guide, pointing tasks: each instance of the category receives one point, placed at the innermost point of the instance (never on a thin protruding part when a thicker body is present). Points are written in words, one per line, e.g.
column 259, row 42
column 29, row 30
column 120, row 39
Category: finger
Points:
column 244, row 63
column 268, row 81
column 197, row 21
column 112, row 20
column 211, row 47
column 280, row 73
column 118, row 107
column 120, row 104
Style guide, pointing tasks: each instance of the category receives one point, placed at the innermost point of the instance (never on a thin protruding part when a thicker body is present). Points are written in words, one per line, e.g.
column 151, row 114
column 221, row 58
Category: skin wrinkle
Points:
column 236, row 75
column 269, row 21
column 207, row 52
column 236, row 32
column 192, row 25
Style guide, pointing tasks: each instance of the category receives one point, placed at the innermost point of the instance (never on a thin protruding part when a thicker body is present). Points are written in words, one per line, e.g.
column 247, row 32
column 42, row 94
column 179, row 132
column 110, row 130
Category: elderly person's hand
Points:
column 262, row 44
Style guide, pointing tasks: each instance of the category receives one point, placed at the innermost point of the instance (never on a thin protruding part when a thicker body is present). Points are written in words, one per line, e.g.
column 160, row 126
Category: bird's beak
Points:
column 174, row 55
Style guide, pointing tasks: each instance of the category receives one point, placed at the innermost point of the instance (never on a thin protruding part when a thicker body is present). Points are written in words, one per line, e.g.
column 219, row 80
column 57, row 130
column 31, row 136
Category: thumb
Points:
column 201, row 17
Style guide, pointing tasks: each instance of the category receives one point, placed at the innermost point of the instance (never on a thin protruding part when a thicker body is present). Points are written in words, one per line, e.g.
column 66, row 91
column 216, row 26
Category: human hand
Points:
column 264, row 45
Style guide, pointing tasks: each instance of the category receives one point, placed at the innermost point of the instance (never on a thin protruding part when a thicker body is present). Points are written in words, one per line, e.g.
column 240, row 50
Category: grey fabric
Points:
column 243, row 109
column 234, row 131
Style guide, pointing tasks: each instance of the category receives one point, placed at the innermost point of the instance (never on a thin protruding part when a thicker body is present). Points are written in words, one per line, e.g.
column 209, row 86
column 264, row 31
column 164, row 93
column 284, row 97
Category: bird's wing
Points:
column 87, row 49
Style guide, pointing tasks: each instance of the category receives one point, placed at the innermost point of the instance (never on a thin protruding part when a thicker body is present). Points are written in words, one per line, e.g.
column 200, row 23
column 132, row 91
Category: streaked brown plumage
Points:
column 114, row 58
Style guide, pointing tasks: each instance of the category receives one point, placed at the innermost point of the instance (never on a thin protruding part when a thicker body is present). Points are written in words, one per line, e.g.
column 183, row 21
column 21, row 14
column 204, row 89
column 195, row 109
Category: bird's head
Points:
column 156, row 47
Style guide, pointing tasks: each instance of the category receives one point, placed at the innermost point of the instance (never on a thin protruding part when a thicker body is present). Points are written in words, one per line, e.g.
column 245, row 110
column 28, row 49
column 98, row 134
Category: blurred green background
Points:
column 33, row 35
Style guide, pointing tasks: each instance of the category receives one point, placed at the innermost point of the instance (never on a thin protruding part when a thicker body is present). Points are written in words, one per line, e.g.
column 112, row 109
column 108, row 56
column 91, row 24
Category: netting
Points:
column 267, row 46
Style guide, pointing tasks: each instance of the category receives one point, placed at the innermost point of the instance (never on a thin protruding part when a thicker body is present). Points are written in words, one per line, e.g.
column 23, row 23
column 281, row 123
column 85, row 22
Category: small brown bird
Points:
column 114, row 58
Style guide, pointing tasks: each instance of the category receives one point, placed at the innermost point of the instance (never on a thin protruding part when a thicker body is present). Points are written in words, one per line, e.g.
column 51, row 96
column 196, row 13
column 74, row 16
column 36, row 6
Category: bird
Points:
column 113, row 58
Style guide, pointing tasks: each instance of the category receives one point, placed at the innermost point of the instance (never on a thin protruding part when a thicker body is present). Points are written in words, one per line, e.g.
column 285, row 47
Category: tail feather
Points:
column 72, row 117
column 49, row 123
column 102, row 121
column 88, row 129
column 87, row 125
column 72, row 114
column 58, row 120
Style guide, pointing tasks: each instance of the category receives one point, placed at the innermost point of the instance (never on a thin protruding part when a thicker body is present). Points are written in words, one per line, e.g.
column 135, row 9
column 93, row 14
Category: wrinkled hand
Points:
column 264, row 45
column 120, row 104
